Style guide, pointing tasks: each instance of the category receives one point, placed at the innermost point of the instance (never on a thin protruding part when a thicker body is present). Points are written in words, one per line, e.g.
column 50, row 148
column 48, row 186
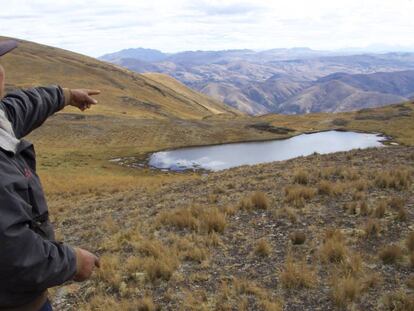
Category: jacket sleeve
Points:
column 28, row 109
column 28, row 262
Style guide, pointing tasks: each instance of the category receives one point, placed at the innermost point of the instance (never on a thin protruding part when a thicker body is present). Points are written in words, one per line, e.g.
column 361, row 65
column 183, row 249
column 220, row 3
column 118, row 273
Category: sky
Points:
column 97, row 27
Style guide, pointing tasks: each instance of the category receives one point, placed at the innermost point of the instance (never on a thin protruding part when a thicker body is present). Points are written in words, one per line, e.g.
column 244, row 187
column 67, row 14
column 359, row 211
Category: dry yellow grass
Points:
column 73, row 152
column 297, row 275
column 345, row 290
column 259, row 201
column 301, row 177
column 410, row 241
column 372, row 228
column 399, row 301
column 298, row 195
column 390, row 254
column 333, row 250
column 263, row 248
column 380, row 210
column 201, row 219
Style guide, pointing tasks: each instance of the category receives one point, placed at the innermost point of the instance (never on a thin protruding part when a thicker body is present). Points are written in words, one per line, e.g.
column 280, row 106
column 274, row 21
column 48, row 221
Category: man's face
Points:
column 2, row 78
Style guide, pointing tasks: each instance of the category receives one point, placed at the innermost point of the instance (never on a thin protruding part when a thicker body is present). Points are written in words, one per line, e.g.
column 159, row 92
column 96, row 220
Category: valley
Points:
column 323, row 232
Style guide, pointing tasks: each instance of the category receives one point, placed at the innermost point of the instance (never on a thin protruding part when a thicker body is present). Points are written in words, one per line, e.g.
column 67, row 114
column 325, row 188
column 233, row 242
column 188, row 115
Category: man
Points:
column 31, row 261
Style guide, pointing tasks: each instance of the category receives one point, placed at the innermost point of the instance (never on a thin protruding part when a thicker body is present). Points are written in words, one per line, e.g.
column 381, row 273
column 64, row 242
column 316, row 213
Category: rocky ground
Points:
column 323, row 232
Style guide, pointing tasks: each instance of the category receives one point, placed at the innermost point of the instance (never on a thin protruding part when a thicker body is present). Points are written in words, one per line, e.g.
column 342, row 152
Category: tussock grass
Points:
column 333, row 250
column 146, row 304
column 372, row 228
column 245, row 294
column 297, row 275
column 390, row 254
column 345, row 290
column 263, row 248
column 288, row 212
column 396, row 203
column 267, row 305
column 213, row 220
column 329, row 188
column 109, row 303
column 201, row 219
column 398, row 179
column 301, row 177
column 364, row 209
column 371, row 281
column 110, row 271
column 402, row 214
column 256, row 201
column 399, row 301
column 409, row 242
column 259, row 201
column 181, row 218
column 352, row 264
column 380, row 210
column 298, row 195
column 160, row 268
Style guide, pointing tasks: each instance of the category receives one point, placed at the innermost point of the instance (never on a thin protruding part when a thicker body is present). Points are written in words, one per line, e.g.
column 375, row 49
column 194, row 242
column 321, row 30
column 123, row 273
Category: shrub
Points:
column 390, row 254
column 298, row 238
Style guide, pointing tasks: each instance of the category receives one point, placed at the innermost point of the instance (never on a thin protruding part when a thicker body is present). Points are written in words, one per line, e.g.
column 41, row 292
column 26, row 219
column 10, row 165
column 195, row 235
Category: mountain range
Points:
column 290, row 81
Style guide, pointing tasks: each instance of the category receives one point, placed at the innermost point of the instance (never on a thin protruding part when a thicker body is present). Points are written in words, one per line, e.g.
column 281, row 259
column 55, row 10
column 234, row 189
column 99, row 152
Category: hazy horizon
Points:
column 102, row 26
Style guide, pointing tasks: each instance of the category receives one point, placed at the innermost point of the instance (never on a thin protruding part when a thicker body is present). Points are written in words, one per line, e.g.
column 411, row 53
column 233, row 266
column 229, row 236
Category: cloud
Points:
column 97, row 27
column 222, row 8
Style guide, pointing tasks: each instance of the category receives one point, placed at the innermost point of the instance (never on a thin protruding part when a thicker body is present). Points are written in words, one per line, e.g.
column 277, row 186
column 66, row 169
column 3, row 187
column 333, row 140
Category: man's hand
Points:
column 85, row 263
column 81, row 98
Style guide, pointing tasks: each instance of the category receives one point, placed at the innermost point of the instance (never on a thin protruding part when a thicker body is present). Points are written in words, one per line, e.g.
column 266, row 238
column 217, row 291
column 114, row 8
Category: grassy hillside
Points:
column 123, row 92
column 249, row 238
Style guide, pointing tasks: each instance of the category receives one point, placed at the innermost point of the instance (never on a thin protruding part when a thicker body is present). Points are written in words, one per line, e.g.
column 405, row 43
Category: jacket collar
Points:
column 8, row 140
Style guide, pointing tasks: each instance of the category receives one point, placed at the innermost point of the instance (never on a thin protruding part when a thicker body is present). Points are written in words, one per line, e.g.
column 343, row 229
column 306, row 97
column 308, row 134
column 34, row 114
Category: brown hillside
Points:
column 123, row 92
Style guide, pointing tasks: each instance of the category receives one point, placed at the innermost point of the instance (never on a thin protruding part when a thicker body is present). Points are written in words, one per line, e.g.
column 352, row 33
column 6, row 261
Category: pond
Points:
column 219, row 157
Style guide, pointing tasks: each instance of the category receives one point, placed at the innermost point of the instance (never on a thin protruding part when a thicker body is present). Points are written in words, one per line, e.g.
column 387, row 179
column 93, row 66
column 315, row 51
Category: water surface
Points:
column 225, row 156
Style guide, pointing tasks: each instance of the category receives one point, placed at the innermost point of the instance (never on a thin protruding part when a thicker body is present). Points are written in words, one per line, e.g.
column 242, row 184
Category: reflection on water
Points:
column 221, row 157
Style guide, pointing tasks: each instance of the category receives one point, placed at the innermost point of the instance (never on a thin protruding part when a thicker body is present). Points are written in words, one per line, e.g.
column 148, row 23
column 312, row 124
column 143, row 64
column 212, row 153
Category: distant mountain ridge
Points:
column 297, row 80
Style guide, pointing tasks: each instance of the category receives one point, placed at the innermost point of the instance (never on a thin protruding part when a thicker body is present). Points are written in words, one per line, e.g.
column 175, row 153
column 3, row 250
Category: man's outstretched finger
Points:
column 93, row 92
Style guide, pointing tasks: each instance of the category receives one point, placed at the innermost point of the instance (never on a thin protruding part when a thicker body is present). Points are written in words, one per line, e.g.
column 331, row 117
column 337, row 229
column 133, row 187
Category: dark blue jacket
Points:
column 31, row 261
